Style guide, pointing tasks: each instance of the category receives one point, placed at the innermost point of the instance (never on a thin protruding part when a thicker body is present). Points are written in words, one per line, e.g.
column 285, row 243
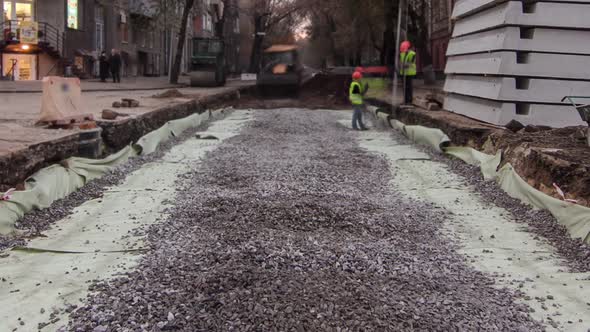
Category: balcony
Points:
column 146, row 8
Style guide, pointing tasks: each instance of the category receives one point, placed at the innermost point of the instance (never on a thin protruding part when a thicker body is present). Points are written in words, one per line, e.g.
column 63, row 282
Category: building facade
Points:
column 62, row 37
column 440, row 29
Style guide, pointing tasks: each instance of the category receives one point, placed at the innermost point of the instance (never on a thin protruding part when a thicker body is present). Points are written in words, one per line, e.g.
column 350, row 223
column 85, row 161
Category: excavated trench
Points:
column 291, row 225
column 288, row 220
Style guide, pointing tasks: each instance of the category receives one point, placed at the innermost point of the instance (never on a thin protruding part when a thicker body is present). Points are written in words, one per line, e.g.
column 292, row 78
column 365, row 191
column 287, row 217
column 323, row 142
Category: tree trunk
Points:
column 257, row 46
column 188, row 6
column 419, row 28
column 337, row 58
column 388, row 50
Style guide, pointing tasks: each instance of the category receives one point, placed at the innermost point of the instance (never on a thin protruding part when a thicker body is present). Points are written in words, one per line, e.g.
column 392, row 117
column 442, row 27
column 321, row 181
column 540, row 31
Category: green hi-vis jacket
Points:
column 409, row 59
column 355, row 93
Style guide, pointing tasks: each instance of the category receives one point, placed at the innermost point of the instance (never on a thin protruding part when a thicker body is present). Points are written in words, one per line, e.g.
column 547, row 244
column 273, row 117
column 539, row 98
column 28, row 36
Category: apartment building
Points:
column 56, row 37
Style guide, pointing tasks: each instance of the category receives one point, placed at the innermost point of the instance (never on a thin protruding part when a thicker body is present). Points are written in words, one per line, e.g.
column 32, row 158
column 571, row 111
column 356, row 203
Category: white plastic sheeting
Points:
column 511, row 252
column 56, row 181
column 574, row 217
column 100, row 239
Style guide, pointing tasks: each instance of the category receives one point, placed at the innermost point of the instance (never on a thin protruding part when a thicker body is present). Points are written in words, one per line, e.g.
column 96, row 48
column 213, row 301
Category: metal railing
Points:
column 10, row 72
column 48, row 35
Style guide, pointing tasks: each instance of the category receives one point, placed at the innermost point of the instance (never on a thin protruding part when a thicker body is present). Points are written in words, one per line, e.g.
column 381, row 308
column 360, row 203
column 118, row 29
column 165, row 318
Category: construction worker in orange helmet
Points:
column 355, row 95
column 408, row 70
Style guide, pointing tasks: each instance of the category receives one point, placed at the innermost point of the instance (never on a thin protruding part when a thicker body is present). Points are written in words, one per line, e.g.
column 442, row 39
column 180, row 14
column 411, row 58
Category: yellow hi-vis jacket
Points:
column 409, row 59
column 355, row 93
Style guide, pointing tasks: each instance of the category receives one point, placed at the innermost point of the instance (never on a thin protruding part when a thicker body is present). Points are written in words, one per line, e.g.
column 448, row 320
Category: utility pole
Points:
column 401, row 6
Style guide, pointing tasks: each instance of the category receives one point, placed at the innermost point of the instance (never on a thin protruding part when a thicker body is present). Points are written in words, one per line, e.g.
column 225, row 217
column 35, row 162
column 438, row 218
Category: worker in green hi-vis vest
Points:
column 408, row 70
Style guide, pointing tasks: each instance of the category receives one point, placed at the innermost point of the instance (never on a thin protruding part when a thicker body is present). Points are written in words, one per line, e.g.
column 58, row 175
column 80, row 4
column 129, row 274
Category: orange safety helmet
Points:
column 405, row 46
column 357, row 75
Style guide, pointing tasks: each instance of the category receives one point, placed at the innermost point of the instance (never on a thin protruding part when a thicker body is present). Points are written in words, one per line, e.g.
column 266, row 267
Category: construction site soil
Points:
column 559, row 156
column 323, row 91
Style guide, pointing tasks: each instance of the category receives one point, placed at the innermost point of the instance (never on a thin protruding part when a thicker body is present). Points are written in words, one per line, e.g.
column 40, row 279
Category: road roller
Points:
column 208, row 63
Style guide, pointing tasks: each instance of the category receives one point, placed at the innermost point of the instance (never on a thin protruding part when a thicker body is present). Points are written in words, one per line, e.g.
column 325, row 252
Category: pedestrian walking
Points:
column 356, row 94
column 103, row 66
column 115, row 65
column 408, row 70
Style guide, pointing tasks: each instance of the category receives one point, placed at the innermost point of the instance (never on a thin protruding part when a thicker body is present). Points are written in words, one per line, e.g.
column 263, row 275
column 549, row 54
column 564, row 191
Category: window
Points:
column 73, row 14
column 237, row 25
column 152, row 39
column 143, row 38
column 99, row 14
column 123, row 27
column 7, row 10
column 204, row 22
column 19, row 10
column 99, row 36
column 207, row 22
column 124, row 30
column 24, row 11
column 99, row 18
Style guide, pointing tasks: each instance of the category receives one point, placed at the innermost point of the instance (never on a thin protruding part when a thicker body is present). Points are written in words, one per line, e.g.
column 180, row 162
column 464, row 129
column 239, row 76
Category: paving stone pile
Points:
column 292, row 226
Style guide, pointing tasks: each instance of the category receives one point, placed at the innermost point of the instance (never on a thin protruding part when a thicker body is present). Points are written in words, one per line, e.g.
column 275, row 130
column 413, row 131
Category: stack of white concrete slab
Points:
column 513, row 60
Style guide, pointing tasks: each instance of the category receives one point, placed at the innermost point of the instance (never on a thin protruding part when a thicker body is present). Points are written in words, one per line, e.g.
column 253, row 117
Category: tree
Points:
column 389, row 47
column 267, row 15
column 172, row 16
column 175, row 71
column 352, row 30
column 418, row 29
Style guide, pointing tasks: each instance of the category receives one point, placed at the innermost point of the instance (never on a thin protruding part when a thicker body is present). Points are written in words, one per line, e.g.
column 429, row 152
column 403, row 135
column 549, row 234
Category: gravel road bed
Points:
column 291, row 226
column 37, row 221
column 575, row 252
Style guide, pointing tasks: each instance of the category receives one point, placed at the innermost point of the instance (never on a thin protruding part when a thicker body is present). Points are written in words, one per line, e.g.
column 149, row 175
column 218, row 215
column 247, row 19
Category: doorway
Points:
column 142, row 63
column 23, row 67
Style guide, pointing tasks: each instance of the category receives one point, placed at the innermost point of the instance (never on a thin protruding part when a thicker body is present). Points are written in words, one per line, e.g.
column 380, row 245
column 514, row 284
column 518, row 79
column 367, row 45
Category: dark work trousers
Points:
column 116, row 76
column 408, row 90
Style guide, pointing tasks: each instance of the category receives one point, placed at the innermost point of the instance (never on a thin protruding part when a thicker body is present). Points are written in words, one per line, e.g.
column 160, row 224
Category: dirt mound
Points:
column 330, row 86
column 558, row 156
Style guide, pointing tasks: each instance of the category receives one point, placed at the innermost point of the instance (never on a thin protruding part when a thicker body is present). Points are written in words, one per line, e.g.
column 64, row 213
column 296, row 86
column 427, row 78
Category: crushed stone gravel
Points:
column 292, row 226
column 575, row 252
column 37, row 221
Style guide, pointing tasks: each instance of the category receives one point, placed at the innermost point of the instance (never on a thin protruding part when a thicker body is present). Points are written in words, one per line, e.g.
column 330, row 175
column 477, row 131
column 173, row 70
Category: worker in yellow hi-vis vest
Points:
column 355, row 94
column 408, row 70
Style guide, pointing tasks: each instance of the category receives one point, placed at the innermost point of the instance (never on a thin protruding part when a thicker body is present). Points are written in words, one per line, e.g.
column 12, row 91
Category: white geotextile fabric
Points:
column 97, row 240
column 56, row 181
column 574, row 217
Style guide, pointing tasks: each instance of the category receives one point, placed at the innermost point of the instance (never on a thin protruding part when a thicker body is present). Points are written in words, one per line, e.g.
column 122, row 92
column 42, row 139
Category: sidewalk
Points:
column 127, row 84
column 25, row 148
column 420, row 90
